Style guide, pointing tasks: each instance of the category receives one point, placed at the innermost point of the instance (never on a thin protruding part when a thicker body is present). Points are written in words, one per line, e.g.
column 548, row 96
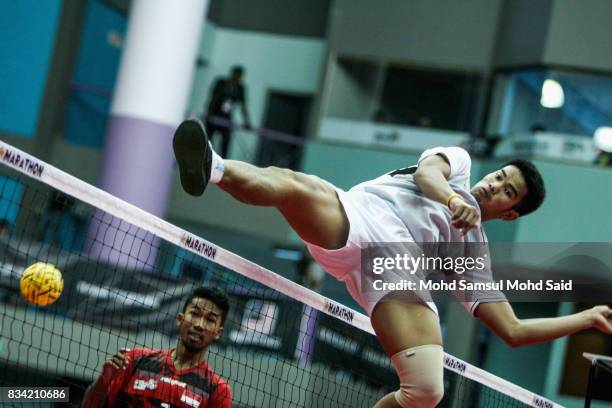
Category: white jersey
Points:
column 392, row 209
column 427, row 220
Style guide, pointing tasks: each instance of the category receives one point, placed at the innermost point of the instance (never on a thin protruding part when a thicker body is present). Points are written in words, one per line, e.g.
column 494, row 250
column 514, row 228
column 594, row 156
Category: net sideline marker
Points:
column 60, row 180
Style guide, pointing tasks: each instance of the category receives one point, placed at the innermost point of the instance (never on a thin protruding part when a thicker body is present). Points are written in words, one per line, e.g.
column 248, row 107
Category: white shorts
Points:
column 371, row 220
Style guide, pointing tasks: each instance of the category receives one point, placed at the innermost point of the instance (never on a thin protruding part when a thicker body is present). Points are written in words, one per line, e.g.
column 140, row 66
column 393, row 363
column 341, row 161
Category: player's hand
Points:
column 114, row 365
column 600, row 318
column 465, row 216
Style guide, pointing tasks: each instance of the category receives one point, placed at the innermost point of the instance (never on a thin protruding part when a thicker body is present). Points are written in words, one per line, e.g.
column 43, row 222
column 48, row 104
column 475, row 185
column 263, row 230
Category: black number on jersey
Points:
column 405, row 170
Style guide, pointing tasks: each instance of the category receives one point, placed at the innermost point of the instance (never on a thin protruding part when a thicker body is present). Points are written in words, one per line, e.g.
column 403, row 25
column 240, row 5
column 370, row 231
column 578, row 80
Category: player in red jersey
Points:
column 178, row 377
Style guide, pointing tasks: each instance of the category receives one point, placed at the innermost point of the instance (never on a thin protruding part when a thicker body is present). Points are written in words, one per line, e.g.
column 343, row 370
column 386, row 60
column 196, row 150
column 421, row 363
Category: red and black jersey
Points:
column 151, row 380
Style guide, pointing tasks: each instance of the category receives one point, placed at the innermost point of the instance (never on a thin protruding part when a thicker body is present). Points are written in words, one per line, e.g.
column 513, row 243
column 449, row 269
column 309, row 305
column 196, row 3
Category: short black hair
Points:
column 237, row 69
column 536, row 192
column 214, row 294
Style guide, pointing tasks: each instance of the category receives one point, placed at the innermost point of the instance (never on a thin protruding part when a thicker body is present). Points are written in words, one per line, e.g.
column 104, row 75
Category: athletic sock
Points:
column 217, row 167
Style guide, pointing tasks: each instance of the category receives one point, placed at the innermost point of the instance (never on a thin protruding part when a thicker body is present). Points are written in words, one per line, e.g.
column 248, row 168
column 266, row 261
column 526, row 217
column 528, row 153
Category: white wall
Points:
column 272, row 62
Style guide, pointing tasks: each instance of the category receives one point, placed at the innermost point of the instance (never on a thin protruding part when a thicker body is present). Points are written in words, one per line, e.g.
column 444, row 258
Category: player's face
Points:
column 498, row 192
column 200, row 325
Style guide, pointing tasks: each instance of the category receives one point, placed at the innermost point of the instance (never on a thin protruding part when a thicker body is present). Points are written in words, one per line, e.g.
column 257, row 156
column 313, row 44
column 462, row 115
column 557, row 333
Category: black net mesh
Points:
column 123, row 287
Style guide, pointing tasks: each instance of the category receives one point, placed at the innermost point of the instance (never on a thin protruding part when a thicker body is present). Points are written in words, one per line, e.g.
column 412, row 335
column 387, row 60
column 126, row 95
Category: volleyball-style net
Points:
column 126, row 276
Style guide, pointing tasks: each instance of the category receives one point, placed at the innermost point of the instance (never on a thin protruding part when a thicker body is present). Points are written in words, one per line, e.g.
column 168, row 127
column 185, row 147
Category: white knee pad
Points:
column 420, row 370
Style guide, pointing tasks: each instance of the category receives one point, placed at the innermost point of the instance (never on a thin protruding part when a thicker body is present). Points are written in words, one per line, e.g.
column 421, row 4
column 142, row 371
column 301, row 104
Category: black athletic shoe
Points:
column 193, row 155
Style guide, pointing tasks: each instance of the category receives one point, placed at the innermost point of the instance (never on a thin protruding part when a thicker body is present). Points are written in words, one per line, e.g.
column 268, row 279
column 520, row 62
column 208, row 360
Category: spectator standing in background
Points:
column 225, row 94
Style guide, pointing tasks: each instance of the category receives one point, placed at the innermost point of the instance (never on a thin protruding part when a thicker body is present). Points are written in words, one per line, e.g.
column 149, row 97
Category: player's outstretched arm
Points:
column 96, row 393
column 500, row 318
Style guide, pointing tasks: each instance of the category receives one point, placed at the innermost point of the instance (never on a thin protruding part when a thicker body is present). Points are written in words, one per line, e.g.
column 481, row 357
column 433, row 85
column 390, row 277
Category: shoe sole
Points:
column 190, row 146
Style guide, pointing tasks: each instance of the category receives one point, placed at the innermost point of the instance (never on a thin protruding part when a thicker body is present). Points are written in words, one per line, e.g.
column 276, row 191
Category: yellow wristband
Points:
column 451, row 197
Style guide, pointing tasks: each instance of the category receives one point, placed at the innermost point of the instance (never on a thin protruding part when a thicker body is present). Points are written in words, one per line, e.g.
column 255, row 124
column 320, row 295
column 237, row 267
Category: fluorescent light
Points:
column 603, row 138
column 552, row 94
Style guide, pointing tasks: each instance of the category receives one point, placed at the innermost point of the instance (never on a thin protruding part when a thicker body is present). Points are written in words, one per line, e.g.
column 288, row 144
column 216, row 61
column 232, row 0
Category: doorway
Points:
column 286, row 113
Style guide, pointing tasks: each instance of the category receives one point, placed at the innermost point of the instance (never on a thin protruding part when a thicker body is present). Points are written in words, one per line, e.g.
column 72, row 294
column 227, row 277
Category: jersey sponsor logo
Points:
column 455, row 364
column 172, row 381
column 192, row 402
column 339, row 311
column 541, row 403
column 162, row 387
column 31, row 167
column 199, row 246
column 142, row 385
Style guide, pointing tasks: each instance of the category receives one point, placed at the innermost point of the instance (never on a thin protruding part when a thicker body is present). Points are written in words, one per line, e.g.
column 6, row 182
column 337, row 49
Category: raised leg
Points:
column 309, row 204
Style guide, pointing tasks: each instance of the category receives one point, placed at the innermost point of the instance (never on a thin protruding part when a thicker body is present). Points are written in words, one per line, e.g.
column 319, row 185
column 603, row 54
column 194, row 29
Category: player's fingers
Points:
column 122, row 352
column 113, row 365
column 464, row 213
column 119, row 362
column 457, row 212
column 607, row 326
column 119, row 356
column 468, row 218
column 465, row 219
column 473, row 219
column 602, row 310
column 464, row 209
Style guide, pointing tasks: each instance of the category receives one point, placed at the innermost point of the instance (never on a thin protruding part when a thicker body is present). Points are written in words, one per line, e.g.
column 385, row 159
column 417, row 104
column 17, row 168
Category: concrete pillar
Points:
column 150, row 100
